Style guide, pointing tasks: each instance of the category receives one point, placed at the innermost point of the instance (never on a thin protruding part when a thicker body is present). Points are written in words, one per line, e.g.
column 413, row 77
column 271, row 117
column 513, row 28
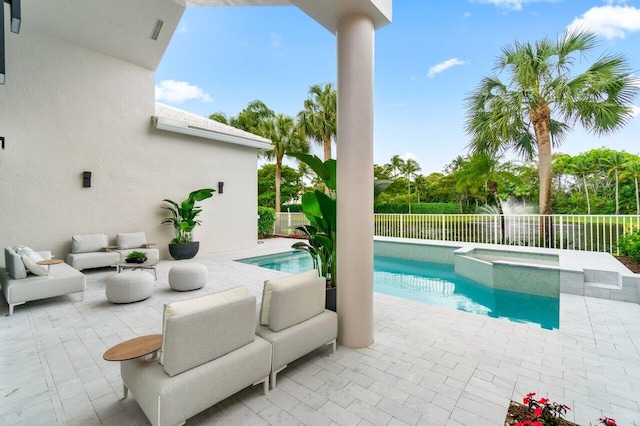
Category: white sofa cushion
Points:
column 297, row 303
column 14, row 263
column 270, row 285
column 88, row 243
column 200, row 303
column 131, row 240
column 30, row 262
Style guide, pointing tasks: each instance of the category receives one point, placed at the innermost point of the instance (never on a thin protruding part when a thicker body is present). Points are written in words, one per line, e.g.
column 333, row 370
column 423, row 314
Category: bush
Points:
column 629, row 244
column 417, row 208
column 266, row 220
column 293, row 208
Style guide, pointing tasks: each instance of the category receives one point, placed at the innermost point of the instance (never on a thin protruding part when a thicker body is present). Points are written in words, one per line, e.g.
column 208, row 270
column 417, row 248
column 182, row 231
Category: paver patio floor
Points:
column 428, row 365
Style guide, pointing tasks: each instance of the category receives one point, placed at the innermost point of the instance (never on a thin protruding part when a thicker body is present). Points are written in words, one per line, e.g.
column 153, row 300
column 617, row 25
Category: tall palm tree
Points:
column 583, row 167
column 410, row 170
column 220, row 117
column 319, row 116
column 614, row 163
column 396, row 165
column 633, row 168
column 286, row 137
column 523, row 114
column 253, row 117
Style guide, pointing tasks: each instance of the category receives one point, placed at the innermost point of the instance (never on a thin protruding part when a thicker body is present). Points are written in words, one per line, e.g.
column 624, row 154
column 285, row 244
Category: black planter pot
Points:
column 184, row 250
column 330, row 302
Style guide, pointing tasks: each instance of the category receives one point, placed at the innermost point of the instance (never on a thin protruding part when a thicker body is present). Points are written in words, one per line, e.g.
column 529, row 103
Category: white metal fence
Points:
column 574, row 232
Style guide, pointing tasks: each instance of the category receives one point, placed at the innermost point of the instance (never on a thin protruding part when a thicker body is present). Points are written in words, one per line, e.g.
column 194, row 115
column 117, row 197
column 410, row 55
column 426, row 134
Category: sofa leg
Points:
column 82, row 296
column 125, row 391
column 333, row 342
column 265, row 385
column 273, row 376
column 11, row 309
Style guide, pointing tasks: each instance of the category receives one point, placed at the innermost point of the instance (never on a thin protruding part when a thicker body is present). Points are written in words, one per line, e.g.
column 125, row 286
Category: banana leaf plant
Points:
column 183, row 215
column 320, row 210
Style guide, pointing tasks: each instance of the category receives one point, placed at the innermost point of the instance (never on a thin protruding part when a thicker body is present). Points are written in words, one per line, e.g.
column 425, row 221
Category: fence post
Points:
column 561, row 234
column 401, row 226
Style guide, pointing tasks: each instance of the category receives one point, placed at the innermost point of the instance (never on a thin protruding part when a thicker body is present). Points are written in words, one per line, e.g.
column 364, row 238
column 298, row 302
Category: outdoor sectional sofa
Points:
column 209, row 352
column 94, row 251
column 19, row 287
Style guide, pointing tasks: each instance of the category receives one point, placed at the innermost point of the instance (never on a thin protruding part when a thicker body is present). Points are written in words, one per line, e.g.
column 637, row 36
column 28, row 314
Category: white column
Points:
column 355, row 37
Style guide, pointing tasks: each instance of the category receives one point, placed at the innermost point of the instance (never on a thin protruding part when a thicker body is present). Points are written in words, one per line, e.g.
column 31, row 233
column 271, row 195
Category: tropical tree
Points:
column 220, row 117
column 410, row 170
column 290, row 185
column 253, row 117
column 614, row 164
column 524, row 113
column 318, row 119
column 583, row 167
column 633, row 168
column 286, row 137
column 397, row 165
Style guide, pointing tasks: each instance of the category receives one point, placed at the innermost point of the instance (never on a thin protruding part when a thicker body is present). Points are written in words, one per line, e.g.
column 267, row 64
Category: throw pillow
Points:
column 130, row 240
column 88, row 243
column 271, row 285
column 30, row 262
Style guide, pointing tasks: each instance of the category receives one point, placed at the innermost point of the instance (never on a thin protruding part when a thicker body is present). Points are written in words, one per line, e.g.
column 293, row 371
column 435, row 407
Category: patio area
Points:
column 428, row 366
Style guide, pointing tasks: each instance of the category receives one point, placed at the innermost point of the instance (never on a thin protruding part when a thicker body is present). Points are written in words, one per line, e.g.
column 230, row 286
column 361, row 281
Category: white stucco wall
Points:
column 65, row 110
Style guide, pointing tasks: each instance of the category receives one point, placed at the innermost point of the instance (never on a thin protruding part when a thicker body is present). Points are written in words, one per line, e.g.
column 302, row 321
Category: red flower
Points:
column 537, row 412
column 525, row 400
column 543, row 401
column 536, row 424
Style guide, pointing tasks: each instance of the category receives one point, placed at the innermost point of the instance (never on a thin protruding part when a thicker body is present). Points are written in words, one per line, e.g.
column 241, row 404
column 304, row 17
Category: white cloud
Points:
column 438, row 68
column 609, row 21
column 176, row 92
column 182, row 28
column 409, row 155
column 510, row 4
column 276, row 40
column 466, row 14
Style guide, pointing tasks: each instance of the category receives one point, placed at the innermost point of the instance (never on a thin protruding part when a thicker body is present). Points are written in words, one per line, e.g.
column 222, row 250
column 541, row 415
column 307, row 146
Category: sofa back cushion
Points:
column 88, row 243
column 131, row 240
column 196, row 337
column 297, row 303
column 14, row 263
column 270, row 285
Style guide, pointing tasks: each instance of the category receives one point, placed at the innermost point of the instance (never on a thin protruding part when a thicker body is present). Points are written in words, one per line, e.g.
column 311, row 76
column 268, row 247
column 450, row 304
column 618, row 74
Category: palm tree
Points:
column 615, row 162
column 583, row 167
column 286, row 137
column 220, row 117
column 633, row 168
column 396, row 165
column 410, row 170
column 319, row 116
column 253, row 117
column 523, row 114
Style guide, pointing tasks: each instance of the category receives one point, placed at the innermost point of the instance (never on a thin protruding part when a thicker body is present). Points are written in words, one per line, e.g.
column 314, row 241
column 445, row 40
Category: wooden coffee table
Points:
column 149, row 264
column 135, row 348
column 48, row 263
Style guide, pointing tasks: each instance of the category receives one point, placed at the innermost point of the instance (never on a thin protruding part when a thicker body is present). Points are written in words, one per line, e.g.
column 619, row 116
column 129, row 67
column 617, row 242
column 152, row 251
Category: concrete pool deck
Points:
column 428, row 365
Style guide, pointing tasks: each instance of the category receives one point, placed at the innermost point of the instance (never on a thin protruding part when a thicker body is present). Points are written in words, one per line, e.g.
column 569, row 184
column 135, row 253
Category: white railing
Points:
column 574, row 232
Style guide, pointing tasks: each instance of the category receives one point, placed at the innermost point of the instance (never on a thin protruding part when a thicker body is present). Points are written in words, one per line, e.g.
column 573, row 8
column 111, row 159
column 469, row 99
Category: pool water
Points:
column 436, row 284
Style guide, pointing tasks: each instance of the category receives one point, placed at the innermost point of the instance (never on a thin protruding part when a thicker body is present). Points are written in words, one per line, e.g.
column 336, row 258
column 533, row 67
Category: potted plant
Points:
column 183, row 220
column 136, row 257
column 320, row 210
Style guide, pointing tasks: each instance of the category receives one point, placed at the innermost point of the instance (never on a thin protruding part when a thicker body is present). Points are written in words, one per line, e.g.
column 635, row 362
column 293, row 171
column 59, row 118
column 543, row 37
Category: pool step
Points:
column 602, row 285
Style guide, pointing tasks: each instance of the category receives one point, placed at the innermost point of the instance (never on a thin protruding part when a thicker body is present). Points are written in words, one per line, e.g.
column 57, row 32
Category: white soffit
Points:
column 176, row 120
column 325, row 12
column 118, row 28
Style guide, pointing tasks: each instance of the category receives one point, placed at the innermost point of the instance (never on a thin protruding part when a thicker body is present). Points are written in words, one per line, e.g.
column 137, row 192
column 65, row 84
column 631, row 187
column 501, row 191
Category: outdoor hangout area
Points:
column 429, row 365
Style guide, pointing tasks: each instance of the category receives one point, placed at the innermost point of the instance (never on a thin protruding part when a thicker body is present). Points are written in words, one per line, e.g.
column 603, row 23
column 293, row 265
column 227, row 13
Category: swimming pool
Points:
column 436, row 284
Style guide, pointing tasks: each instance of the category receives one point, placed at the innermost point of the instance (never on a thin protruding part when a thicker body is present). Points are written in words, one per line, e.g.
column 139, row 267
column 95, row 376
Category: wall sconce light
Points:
column 2, row 141
column 16, row 20
column 86, row 179
column 220, row 187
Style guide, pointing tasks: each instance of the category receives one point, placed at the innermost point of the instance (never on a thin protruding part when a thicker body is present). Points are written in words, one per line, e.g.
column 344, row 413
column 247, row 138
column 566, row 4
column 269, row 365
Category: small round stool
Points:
column 187, row 277
column 129, row 287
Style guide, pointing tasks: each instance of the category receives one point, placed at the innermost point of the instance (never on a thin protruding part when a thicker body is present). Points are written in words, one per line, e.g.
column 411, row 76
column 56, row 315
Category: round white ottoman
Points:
column 128, row 287
column 189, row 276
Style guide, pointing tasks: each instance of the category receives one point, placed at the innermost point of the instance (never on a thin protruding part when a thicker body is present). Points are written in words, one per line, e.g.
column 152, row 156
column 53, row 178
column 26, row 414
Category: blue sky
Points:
column 427, row 61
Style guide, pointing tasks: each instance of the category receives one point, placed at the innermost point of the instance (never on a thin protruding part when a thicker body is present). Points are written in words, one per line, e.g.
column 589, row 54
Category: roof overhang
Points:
column 178, row 121
column 325, row 12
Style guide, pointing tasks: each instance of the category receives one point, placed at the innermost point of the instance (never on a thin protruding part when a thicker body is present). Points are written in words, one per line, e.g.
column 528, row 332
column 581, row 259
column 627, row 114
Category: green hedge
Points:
column 417, row 208
column 266, row 219
column 629, row 245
